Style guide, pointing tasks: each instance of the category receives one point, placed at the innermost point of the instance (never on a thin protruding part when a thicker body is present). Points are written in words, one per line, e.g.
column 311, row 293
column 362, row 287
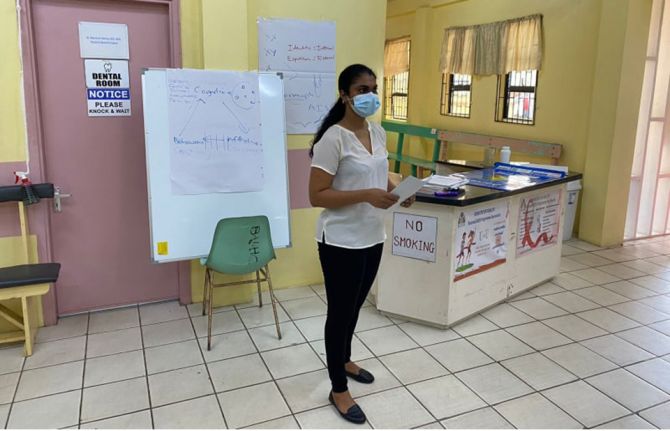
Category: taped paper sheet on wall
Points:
column 295, row 45
column 304, row 51
column 307, row 97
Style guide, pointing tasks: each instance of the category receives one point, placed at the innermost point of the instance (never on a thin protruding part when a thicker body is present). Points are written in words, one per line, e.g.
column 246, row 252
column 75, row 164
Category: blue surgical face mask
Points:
column 366, row 104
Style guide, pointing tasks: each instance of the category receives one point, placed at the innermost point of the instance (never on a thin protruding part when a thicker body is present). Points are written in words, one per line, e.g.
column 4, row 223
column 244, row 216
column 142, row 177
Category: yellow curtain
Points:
column 523, row 44
column 458, row 51
column 489, row 49
column 494, row 48
column 396, row 56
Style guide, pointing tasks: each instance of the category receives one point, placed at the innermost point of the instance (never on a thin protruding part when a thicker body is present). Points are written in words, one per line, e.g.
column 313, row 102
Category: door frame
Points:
column 40, row 216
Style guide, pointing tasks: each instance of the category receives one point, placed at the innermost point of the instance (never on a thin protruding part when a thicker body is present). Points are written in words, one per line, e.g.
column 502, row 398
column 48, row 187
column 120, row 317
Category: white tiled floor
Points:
column 591, row 348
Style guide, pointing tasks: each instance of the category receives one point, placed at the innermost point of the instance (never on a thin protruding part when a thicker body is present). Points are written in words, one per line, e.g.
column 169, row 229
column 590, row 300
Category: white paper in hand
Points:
column 406, row 189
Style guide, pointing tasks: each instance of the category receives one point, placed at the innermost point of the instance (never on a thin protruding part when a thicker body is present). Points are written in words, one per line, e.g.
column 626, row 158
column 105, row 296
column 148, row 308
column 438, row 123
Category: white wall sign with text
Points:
column 414, row 236
column 103, row 40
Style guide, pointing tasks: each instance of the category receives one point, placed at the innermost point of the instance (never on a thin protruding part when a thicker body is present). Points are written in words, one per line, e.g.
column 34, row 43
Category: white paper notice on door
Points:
column 539, row 219
column 307, row 99
column 215, row 132
column 295, row 45
column 103, row 40
column 481, row 240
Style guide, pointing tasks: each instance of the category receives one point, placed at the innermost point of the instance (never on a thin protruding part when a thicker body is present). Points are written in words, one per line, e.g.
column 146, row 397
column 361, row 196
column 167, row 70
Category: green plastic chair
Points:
column 241, row 245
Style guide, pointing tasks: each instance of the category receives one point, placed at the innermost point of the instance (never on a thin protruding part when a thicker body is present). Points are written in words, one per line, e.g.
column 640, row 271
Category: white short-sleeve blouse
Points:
column 341, row 154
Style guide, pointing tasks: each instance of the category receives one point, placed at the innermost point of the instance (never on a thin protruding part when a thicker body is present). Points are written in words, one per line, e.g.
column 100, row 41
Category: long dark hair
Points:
column 336, row 113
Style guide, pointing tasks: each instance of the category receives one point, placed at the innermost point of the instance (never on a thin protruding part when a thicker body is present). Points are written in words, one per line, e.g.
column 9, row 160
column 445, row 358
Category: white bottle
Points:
column 505, row 154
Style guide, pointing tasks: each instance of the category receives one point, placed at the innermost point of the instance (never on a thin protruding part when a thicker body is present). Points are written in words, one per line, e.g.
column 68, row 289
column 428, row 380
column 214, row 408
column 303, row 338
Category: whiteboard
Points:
column 182, row 226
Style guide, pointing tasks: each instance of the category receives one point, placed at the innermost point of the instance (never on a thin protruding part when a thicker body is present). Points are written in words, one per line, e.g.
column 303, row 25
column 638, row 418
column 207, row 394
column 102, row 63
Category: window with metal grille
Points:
column 395, row 100
column 456, row 92
column 516, row 97
column 396, row 81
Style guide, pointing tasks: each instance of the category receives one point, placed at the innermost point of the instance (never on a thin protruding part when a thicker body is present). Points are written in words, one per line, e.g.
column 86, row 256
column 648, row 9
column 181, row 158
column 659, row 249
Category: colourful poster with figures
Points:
column 539, row 219
column 481, row 240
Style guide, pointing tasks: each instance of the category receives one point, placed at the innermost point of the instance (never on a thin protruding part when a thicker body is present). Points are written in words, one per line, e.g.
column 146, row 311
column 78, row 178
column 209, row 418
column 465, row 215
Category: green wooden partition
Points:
column 444, row 137
column 403, row 130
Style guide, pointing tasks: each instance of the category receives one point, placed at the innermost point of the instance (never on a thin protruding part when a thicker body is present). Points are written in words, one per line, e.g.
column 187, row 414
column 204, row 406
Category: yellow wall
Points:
column 220, row 34
column 230, row 35
column 616, row 98
column 12, row 120
column 581, row 74
column 191, row 34
column 230, row 41
column 590, row 76
column 12, row 134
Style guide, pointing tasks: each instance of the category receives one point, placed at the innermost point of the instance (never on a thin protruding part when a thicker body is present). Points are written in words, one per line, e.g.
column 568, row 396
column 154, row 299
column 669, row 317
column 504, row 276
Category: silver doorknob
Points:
column 58, row 195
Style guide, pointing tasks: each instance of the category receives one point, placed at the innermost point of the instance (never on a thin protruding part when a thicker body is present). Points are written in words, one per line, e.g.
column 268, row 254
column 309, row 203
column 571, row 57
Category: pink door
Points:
column 101, row 237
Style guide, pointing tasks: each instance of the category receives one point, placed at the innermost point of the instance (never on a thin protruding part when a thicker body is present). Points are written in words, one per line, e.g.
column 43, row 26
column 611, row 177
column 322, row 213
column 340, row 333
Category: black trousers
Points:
column 348, row 275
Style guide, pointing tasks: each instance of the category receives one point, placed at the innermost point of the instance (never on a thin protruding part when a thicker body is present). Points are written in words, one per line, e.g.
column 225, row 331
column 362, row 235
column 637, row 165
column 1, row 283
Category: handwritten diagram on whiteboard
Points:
column 304, row 51
column 215, row 132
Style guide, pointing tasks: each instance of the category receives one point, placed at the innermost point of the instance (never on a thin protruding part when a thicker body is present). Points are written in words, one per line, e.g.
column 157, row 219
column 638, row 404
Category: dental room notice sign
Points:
column 107, row 88
column 104, row 102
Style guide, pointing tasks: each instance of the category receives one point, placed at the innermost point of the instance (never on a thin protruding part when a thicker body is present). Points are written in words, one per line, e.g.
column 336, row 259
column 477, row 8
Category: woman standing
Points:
column 349, row 178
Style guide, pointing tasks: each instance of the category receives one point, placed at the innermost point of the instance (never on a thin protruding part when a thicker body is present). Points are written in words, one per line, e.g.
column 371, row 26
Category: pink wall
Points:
column 298, row 178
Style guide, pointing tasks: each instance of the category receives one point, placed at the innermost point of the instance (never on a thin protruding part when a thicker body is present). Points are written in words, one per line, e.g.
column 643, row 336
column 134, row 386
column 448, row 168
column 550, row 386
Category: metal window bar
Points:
column 456, row 95
column 399, row 90
column 388, row 113
column 444, row 96
column 396, row 96
column 516, row 97
column 396, row 91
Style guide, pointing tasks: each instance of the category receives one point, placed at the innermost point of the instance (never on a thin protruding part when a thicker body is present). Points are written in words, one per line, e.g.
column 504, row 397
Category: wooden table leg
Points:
column 27, row 329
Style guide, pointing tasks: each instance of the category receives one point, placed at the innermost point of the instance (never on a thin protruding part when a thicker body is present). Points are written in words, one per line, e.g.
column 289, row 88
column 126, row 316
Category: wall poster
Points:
column 481, row 240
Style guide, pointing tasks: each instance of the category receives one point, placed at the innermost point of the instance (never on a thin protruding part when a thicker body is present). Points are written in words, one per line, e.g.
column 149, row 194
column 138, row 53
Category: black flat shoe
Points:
column 363, row 376
column 354, row 414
